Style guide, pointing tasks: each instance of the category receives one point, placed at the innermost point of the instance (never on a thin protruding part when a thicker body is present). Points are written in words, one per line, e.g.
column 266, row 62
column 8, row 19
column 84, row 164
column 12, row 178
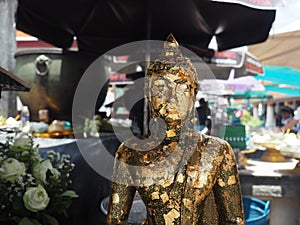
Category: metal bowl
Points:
column 138, row 211
column 53, row 76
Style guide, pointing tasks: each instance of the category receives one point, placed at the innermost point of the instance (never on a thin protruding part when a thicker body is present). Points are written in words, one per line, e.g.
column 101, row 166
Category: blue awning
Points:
column 281, row 80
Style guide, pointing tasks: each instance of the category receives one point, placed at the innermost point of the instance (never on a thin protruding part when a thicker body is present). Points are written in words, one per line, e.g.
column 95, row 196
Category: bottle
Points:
column 44, row 115
column 25, row 114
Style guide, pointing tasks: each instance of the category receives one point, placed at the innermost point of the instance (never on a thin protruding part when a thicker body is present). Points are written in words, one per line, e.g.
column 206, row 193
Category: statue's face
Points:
column 171, row 96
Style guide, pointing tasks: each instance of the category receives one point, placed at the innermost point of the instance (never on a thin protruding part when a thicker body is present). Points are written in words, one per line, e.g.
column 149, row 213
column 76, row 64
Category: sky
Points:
column 287, row 18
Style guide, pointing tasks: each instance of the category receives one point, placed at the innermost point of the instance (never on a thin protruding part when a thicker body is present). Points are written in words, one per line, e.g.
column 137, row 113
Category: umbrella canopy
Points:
column 232, row 86
column 279, row 50
column 99, row 26
column 282, row 48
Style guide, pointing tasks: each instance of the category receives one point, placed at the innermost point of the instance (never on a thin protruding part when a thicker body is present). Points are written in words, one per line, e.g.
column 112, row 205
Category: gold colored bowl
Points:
column 273, row 155
column 64, row 134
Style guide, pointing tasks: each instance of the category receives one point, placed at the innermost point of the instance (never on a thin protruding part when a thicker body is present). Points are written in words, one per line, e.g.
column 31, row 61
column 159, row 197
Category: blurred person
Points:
column 134, row 102
column 285, row 116
column 177, row 171
column 293, row 123
column 203, row 114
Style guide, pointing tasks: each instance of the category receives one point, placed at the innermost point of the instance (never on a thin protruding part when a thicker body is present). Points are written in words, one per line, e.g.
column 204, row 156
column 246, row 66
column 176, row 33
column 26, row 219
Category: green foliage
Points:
column 248, row 120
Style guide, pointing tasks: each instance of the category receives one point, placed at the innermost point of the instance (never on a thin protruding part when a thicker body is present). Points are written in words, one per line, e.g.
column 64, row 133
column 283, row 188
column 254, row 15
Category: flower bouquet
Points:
column 33, row 189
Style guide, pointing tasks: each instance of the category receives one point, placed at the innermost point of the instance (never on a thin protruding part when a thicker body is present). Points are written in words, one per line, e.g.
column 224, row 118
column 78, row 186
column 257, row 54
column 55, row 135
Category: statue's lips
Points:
column 170, row 114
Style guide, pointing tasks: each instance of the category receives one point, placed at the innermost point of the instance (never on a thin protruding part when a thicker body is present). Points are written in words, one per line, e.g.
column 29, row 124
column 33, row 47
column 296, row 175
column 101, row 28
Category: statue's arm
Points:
column 227, row 190
column 122, row 191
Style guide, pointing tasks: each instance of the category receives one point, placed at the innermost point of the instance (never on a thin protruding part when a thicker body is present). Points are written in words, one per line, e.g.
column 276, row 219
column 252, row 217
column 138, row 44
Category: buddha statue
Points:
column 183, row 177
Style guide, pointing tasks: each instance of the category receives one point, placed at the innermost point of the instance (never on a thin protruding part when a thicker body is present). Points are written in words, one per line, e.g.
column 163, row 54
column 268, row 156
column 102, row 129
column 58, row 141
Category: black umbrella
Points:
column 100, row 25
column 219, row 65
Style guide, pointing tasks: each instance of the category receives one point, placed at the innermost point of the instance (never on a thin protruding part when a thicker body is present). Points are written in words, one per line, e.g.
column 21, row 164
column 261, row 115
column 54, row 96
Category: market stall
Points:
column 268, row 161
column 269, row 170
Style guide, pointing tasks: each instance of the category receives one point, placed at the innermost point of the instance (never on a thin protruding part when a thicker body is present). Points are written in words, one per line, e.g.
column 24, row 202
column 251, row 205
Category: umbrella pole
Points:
column 147, row 63
column 145, row 122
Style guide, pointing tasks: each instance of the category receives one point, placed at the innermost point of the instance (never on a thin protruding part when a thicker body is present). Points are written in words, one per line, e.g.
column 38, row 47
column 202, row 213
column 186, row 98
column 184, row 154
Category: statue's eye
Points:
column 182, row 88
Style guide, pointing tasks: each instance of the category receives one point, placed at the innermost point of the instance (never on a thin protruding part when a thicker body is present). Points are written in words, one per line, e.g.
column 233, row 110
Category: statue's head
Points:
column 171, row 85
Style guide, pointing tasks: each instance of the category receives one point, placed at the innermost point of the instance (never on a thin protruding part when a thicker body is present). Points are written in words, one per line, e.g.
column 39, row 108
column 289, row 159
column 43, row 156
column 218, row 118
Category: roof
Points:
column 10, row 82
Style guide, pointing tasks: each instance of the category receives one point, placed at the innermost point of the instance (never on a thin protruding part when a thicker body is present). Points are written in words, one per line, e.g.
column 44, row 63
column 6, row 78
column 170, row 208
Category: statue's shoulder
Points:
column 123, row 153
column 131, row 148
column 212, row 142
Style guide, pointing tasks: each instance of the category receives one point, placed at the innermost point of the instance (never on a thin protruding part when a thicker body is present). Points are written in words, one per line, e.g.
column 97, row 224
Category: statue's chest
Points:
column 165, row 184
column 190, row 185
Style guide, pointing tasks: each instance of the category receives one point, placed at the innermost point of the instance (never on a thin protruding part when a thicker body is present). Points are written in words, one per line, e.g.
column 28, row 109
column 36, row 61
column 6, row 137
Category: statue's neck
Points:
column 171, row 131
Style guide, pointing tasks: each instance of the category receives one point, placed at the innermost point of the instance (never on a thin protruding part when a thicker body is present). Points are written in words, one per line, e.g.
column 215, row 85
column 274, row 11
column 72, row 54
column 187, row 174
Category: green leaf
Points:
column 16, row 149
column 6, row 219
column 61, row 204
column 19, row 208
column 71, row 194
column 28, row 221
column 17, row 219
column 51, row 219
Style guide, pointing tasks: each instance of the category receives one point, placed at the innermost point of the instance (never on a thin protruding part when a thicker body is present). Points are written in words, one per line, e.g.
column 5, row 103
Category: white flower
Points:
column 40, row 171
column 11, row 169
column 22, row 141
column 36, row 198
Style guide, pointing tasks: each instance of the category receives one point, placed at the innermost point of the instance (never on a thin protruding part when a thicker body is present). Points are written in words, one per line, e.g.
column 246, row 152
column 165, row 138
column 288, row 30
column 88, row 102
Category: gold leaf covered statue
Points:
column 183, row 177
